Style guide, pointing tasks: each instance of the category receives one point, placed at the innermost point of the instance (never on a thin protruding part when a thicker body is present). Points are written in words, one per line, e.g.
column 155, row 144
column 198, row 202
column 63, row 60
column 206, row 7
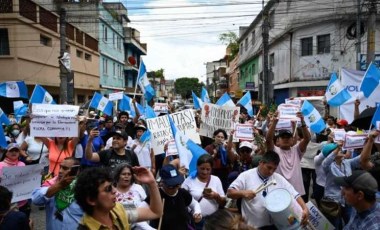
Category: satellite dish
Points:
column 131, row 60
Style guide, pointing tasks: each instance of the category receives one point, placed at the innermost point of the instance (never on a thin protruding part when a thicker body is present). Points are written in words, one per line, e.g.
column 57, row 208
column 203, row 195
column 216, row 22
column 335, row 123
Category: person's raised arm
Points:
column 230, row 152
column 236, row 194
column 90, row 155
column 356, row 109
column 136, row 118
column 365, row 155
column 270, row 134
column 305, row 132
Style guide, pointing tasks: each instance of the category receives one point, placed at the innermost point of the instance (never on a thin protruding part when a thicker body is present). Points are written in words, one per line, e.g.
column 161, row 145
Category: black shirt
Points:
column 109, row 158
column 14, row 220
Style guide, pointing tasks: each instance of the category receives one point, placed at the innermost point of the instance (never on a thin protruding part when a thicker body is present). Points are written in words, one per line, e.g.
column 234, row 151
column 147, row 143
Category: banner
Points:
column 49, row 120
column 21, row 180
column 244, row 131
column 284, row 124
column 354, row 141
column 339, row 134
column 161, row 108
column 351, row 79
column 218, row 117
column 296, row 102
column 288, row 111
column 162, row 133
column 317, row 219
column 115, row 96
column 172, row 148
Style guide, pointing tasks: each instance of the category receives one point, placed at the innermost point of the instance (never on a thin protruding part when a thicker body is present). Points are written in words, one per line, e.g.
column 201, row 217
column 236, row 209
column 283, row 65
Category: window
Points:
column 271, row 60
column 46, row 41
column 307, row 46
column 105, row 33
column 119, row 43
column 4, row 42
column 253, row 37
column 253, row 69
column 80, row 99
column 323, row 44
column 79, row 54
column 271, row 20
column 113, row 40
column 241, row 48
column 68, row 49
column 246, row 44
column 105, row 72
column 114, row 69
column 87, row 57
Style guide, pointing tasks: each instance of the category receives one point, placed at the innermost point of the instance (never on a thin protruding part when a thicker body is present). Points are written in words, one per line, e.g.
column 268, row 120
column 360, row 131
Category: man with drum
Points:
column 254, row 185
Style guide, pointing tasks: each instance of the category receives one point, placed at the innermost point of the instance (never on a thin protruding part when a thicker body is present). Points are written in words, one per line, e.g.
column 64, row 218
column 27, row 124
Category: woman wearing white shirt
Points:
column 36, row 150
column 143, row 150
column 207, row 189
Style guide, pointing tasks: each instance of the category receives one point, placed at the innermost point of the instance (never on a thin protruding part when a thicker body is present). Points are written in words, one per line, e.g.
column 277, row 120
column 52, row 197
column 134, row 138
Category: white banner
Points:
column 354, row 141
column 172, row 148
column 317, row 219
column 21, row 180
column 296, row 102
column 161, row 108
column 284, row 124
column 218, row 117
column 161, row 131
column 288, row 111
column 351, row 79
column 244, row 131
column 115, row 96
column 54, row 120
column 339, row 134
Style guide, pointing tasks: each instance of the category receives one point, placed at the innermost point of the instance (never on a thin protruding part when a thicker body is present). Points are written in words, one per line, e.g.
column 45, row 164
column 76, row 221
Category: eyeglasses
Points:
column 108, row 188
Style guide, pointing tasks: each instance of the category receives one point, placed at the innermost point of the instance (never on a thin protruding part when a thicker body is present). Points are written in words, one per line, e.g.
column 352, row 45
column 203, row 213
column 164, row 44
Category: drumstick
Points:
column 160, row 221
column 273, row 182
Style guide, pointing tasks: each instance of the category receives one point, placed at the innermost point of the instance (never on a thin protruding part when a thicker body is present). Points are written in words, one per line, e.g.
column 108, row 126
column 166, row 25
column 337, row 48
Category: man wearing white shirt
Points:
column 253, row 205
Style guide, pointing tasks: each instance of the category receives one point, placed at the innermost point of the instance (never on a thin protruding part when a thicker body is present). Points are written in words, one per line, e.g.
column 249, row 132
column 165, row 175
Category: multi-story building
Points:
column 307, row 42
column 30, row 47
column 212, row 77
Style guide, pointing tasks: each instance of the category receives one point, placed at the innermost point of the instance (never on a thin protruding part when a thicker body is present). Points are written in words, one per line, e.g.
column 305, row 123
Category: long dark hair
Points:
column 119, row 169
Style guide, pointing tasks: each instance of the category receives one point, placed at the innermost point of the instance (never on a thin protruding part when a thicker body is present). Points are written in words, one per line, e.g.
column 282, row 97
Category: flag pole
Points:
column 137, row 79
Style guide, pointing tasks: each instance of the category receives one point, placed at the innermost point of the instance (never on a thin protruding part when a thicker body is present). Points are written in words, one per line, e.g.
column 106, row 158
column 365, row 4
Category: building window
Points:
column 253, row 35
column 246, row 44
column 79, row 53
column 307, row 46
column 68, row 50
column 323, row 44
column 105, row 72
column 253, row 69
column 271, row 60
column 87, row 56
column 46, row 41
column 4, row 42
column 114, row 69
column 118, row 43
column 113, row 40
column 241, row 48
column 80, row 99
column 271, row 20
column 105, row 36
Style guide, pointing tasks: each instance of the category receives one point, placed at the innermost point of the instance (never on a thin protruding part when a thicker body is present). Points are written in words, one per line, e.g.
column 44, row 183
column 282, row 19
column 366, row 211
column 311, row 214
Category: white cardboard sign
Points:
column 284, row 124
column 317, row 219
column 288, row 111
column 354, row 141
column 172, row 149
column 339, row 134
column 244, row 131
column 115, row 96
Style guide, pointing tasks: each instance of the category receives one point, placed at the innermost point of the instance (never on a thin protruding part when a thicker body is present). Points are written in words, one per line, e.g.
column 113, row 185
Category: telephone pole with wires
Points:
column 371, row 31
column 62, row 68
column 265, row 76
column 358, row 35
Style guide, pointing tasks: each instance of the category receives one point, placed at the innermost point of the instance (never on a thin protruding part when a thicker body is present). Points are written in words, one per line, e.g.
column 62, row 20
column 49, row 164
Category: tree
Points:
column 232, row 41
column 185, row 85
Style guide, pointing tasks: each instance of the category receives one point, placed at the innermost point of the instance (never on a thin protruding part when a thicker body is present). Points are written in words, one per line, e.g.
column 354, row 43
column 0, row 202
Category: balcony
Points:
column 132, row 37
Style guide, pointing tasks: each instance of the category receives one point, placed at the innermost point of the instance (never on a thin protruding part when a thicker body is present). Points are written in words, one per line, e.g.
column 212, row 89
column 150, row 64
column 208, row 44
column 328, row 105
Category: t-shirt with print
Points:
column 109, row 158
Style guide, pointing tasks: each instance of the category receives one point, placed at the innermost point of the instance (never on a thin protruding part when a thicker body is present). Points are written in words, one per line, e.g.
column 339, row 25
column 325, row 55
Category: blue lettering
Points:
column 352, row 88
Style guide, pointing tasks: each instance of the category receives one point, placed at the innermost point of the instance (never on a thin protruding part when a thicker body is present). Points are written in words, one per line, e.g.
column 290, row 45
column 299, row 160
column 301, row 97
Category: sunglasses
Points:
column 108, row 188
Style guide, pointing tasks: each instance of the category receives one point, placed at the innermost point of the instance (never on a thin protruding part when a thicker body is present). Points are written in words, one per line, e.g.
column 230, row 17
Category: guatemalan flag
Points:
column 145, row 137
column 225, row 100
column 204, row 95
column 197, row 101
column 376, row 117
column 3, row 118
column 13, row 89
column 312, row 117
column 143, row 82
column 101, row 103
column 20, row 109
column 188, row 150
column 41, row 96
column 246, row 102
column 371, row 80
column 3, row 141
column 336, row 94
column 149, row 112
column 125, row 103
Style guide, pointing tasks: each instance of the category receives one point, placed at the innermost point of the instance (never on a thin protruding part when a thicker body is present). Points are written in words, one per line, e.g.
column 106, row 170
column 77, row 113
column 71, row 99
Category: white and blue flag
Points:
column 336, row 94
column 371, row 80
column 149, row 112
column 246, row 102
column 145, row 137
column 41, row 96
column 3, row 118
column 13, row 89
column 225, row 100
column 3, row 140
column 101, row 103
column 188, row 150
column 143, row 82
column 125, row 104
column 20, row 109
column 312, row 117
column 204, row 95
column 197, row 101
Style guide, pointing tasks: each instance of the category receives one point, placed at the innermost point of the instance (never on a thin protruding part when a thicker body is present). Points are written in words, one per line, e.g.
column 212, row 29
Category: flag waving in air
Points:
column 312, row 117
column 197, row 101
column 41, row 96
column 3, row 118
column 101, row 103
column 246, row 102
column 20, row 109
column 336, row 94
column 143, row 82
column 371, row 80
column 13, row 89
column 204, row 95
column 225, row 100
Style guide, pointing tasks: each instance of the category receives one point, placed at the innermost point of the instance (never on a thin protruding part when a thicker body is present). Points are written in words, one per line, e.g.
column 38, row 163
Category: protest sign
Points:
column 244, row 131
column 115, row 96
column 161, row 108
column 339, row 134
column 288, row 111
column 354, row 141
column 50, row 120
column 161, row 131
column 378, row 125
column 172, row 149
column 218, row 117
column 284, row 124
column 21, row 180
column 317, row 219
column 296, row 102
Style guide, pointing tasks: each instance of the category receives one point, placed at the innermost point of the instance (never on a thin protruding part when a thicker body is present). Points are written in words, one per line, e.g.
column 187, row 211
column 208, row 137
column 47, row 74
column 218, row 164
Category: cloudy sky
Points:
column 182, row 35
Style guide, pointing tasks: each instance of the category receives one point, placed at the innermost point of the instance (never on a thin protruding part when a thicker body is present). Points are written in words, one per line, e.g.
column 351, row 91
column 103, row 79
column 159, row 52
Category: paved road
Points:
column 38, row 217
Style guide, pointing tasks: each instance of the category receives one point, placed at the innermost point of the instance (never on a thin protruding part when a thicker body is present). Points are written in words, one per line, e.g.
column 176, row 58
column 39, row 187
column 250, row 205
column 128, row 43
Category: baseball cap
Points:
column 245, row 144
column 120, row 133
column 13, row 146
column 328, row 148
column 170, row 175
column 140, row 127
column 284, row 132
column 360, row 180
column 342, row 122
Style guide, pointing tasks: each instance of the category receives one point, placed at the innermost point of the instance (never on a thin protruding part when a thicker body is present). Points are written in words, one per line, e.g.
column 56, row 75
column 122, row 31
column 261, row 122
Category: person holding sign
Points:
column 57, row 194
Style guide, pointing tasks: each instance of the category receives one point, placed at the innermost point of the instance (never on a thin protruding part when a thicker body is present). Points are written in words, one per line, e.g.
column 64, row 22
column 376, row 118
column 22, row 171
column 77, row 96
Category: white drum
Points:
column 278, row 203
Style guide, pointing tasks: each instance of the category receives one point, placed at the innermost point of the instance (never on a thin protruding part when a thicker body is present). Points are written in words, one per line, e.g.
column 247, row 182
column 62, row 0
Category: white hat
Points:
column 246, row 144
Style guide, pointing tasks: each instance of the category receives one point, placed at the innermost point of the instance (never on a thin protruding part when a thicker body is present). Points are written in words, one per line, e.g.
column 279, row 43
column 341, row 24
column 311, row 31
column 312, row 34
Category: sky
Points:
column 183, row 35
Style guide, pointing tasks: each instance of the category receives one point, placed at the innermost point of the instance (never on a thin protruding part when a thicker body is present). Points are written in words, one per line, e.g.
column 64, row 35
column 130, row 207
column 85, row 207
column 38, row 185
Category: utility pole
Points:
column 371, row 31
column 63, row 72
column 265, row 75
column 358, row 35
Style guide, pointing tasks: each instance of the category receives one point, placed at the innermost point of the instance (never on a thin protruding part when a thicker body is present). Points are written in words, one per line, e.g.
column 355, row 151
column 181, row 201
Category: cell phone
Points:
column 92, row 124
column 207, row 190
column 74, row 170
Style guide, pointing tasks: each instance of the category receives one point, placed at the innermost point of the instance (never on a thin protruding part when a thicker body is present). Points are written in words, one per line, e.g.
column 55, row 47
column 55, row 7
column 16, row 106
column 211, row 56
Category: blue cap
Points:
column 170, row 175
column 328, row 148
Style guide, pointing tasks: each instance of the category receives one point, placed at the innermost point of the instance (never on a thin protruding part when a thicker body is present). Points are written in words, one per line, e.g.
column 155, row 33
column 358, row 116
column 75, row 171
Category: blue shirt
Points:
column 369, row 219
column 71, row 215
column 97, row 143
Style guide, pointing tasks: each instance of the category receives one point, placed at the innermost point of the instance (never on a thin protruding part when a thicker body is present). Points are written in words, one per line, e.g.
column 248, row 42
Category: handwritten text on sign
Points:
column 288, row 111
column 354, row 141
column 22, row 180
column 162, row 133
column 54, row 120
column 217, row 117
column 244, row 131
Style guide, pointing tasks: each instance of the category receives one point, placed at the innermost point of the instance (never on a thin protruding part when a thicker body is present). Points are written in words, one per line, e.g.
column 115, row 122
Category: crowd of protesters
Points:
column 107, row 178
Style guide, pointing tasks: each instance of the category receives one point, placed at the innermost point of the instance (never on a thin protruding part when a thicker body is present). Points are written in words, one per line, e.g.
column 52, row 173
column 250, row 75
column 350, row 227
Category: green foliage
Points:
column 185, row 85
column 231, row 40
